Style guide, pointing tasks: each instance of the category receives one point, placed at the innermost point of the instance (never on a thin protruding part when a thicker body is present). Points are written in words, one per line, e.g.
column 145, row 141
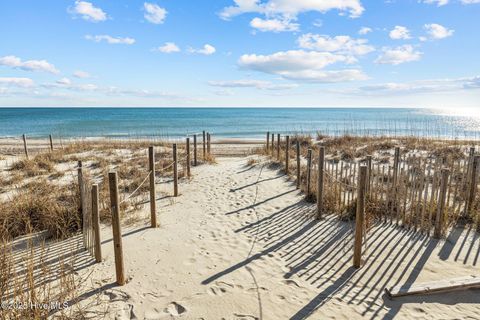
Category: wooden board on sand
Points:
column 469, row 282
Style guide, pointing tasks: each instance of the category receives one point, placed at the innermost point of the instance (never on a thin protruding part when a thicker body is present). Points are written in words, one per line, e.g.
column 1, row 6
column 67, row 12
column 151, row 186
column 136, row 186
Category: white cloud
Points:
column 444, row 2
column 17, row 82
column 423, row 86
column 437, row 31
column 206, row 50
column 301, row 65
column 64, row 81
column 289, row 8
column 399, row 32
column 437, row 2
column 364, row 30
column 154, row 13
column 29, row 65
column 341, row 44
column 168, row 47
column 110, row 39
column 398, row 55
column 274, row 25
column 258, row 84
column 81, row 74
column 88, row 11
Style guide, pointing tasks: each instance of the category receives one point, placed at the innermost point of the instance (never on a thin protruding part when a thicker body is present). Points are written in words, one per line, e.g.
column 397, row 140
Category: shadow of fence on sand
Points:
column 321, row 252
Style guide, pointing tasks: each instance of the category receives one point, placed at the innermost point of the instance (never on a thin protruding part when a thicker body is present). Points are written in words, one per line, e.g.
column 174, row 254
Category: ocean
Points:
column 234, row 122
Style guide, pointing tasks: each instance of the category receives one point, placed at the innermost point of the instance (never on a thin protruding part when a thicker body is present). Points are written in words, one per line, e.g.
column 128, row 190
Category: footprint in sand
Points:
column 222, row 287
column 126, row 313
column 116, row 295
column 175, row 309
column 291, row 283
column 239, row 316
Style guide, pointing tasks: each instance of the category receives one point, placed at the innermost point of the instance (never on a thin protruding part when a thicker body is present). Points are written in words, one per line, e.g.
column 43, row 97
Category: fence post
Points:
column 268, row 141
column 188, row 156
column 175, row 171
column 360, row 217
column 287, row 155
column 80, row 185
column 195, row 150
column 298, row 164
column 321, row 166
column 116, row 227
column 96, row 224
column 278, row 147
column 153, row 203
column 51, row 142
column 273, row 142
column 441, row 204
column 25, row 145
column 309, row 170
column 208, row 143
column 204, row 146
column 473, row 185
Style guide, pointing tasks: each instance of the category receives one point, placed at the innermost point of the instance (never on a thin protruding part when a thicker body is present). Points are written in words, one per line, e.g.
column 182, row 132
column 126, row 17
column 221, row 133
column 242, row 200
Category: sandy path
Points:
column 240, row 243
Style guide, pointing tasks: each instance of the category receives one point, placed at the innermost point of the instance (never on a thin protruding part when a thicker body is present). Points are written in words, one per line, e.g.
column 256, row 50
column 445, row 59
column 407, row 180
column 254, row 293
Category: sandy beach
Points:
column 240, row 243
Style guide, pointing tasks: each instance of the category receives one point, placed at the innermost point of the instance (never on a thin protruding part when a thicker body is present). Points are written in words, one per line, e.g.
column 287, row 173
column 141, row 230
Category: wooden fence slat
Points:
column 96, row 224
column 309, row 171
column 287, row 154
column 175, row 170
column 441, row 204
column 298, row 164
column 321, row 166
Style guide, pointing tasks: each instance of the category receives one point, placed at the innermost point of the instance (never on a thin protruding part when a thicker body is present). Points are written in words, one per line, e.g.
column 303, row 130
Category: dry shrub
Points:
column 43, row 163
column 130, row 177
column 305, row 140
column 41, row 206
column 252, row 161
column 29, row 279
column 449, row 153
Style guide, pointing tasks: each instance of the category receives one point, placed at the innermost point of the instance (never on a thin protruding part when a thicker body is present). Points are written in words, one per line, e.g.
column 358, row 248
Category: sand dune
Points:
column 240, row 243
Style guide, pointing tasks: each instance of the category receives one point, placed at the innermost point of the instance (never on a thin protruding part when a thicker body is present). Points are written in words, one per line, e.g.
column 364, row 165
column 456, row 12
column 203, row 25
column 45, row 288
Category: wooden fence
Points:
column 425, row 193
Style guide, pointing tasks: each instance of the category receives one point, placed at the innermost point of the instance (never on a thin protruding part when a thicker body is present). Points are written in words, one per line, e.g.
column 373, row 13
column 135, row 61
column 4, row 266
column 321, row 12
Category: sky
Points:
column 244, row 53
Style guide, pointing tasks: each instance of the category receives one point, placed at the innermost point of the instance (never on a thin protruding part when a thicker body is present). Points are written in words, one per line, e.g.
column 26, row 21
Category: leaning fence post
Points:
column 298, row 164
column 309, row 170
column 268, row 140
column 360, row 216
column 96, row 224
column 441, row 204
column 278, row 147
column 473, row 185
column 287, row 154
column 25, row 145
column 396, row 163
column 195, row 150
column 51, row 142
column 204, row 146
column 175, row 171
column 321, row 166
column 116, row 227
column 188, row 156
column 153, row 204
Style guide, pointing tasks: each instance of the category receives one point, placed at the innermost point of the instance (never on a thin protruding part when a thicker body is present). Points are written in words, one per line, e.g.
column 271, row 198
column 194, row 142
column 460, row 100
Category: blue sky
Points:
column 404, row 53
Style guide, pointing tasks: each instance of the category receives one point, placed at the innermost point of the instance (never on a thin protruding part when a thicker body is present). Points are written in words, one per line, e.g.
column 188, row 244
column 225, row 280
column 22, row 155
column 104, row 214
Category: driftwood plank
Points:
column 469, row 282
